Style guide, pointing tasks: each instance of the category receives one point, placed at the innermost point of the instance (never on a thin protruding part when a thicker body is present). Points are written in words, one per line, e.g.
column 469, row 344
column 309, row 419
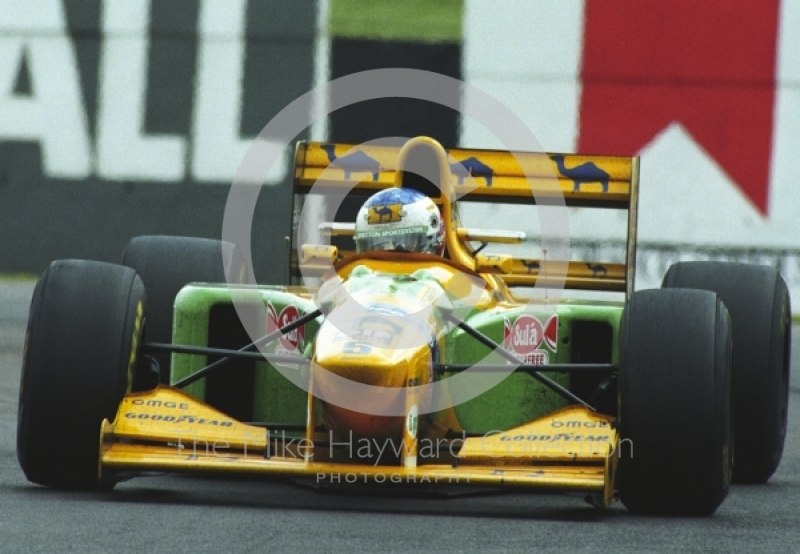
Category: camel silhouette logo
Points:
column 598, row 270
column 388, row 213
column 472, row 167
column 354, row 162
column 584, row 173
column 530, row 264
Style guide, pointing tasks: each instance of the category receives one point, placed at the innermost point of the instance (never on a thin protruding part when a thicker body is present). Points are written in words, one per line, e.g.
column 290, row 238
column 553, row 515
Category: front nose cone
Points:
column 334, row 373
column 346, row 422
column 344, row 362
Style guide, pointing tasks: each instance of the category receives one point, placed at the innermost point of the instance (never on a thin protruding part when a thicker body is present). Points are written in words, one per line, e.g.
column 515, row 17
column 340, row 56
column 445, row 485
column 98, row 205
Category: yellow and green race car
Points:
column 395, row 369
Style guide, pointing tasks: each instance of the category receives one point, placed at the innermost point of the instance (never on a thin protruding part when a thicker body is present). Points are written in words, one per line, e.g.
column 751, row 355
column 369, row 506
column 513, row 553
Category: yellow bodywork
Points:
column 513, row 174
column 484, row 176
column 571, row 449
column 166, row 429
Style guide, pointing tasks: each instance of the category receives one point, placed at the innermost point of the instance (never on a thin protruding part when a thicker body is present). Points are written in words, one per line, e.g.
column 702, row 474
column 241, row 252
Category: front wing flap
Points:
column 166, row 429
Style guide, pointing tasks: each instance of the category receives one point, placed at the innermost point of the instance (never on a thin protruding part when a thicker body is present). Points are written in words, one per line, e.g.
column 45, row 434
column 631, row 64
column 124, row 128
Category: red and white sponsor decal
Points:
column 524, row 337
column 551, row 332
column 293, row 340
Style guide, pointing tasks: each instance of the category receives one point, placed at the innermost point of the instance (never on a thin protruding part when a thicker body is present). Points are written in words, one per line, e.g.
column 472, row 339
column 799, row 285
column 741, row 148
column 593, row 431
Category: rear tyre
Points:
column 167, row 264
column 81, row 349
column 758, row 301
column 675, row 394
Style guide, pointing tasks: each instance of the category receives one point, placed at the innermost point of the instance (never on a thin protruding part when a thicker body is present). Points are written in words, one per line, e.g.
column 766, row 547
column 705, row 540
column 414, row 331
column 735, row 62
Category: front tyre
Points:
column 166, row 264
column 675, row 426
column 81, row 349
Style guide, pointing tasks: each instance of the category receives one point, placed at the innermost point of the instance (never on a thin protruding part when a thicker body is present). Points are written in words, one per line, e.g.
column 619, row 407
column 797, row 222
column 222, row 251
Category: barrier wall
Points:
column 126, row 118
column 707, row 93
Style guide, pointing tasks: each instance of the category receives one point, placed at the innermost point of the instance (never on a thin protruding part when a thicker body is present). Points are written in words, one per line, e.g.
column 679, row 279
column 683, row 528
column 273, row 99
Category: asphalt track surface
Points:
column 177, row 513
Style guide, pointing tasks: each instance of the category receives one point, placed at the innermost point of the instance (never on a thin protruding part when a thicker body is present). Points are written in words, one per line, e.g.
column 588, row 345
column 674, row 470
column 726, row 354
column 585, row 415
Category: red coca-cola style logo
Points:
column 527, row 333
column 292, row 340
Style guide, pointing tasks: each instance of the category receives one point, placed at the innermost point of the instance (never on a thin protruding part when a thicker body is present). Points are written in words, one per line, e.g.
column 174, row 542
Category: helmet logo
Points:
column 388, row 213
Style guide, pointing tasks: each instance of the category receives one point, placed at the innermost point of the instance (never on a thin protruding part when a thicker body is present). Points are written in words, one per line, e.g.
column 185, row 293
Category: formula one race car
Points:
column 390, row 368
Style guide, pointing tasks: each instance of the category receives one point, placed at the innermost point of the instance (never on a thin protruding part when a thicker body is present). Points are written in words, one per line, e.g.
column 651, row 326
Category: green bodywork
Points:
column 516, row 400
column 520, row 398
column 275, row 397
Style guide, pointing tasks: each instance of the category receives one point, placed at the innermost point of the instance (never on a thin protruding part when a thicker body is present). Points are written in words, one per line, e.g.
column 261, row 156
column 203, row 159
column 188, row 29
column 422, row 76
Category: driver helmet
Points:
column 399, row 220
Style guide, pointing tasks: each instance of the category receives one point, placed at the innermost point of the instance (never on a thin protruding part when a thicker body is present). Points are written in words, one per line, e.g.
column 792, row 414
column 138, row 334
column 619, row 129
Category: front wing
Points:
column 572, row 449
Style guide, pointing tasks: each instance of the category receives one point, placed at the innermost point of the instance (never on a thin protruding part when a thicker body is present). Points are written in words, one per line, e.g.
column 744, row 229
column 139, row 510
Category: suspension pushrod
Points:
column 234, row 354
column 300, row 321
column 546, row 381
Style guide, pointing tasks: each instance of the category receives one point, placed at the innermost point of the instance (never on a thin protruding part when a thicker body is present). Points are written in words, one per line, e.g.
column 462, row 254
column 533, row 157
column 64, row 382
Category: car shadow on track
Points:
column 191, row 491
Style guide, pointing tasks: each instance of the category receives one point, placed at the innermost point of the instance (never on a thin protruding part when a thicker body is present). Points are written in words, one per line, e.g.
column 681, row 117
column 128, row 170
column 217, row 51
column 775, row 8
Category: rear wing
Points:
column 465, row 175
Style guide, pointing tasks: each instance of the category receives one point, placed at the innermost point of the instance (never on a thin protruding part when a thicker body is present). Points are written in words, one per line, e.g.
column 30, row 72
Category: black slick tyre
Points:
column 166, row 264
column 758, row 301
column 81, row 348
column 675, row 424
